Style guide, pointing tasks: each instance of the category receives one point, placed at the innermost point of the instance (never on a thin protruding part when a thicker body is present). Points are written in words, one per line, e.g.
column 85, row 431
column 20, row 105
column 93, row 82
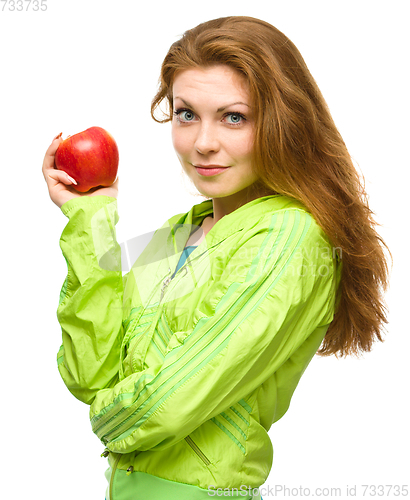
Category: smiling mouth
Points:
column 209, row 166
column 209, row 170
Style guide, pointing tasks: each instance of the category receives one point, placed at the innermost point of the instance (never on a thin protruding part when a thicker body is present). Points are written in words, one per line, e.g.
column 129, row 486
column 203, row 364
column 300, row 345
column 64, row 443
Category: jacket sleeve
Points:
column 277, row 288
column 90, row 305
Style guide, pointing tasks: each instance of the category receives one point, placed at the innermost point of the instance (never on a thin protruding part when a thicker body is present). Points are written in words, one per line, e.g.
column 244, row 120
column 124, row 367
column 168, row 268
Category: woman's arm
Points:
column 271, row 304
column 90, row 306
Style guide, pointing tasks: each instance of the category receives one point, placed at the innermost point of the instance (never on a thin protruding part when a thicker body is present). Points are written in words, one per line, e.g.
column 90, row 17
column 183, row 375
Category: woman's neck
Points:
column 228, row 204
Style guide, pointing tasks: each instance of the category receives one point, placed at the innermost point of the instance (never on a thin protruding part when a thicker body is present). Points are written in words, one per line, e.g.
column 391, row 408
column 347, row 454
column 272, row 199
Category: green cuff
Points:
column 85, row 201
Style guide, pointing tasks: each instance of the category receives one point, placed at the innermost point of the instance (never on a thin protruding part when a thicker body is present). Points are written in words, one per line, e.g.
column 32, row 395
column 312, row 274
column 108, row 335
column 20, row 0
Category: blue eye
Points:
column 235, row 118
column 184, row 115
column 187, row 116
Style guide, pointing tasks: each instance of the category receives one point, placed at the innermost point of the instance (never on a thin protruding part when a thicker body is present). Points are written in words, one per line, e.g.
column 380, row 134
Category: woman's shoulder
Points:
column 288, row 219
column 281, row 210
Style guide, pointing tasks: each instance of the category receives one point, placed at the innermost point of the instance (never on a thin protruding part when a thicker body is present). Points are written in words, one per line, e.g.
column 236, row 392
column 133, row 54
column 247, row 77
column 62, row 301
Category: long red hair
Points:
column 298, row 152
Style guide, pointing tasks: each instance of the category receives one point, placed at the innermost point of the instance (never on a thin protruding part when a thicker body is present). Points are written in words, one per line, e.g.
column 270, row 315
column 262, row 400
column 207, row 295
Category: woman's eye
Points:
column 184, row 115
column 187, row 116
column 235, row 118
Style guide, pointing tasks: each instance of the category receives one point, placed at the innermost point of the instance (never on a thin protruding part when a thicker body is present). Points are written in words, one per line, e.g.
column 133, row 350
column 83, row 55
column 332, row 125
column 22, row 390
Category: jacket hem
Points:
column 142, row 485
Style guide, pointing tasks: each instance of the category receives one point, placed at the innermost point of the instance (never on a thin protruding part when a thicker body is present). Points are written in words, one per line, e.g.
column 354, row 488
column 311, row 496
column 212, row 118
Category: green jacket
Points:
column 185, row 374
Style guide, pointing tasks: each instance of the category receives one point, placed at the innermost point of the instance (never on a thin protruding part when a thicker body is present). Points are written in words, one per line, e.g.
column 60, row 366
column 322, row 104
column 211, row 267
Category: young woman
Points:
column 187, row 360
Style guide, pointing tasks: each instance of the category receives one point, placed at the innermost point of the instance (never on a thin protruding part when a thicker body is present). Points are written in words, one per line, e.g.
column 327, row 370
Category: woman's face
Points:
column 213, row 126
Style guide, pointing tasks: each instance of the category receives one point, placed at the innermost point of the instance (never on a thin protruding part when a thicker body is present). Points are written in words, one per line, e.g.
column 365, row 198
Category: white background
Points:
column 96, row 63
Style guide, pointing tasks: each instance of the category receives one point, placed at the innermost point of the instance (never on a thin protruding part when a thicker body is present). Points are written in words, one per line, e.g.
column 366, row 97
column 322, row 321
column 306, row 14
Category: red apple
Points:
column 90, row 157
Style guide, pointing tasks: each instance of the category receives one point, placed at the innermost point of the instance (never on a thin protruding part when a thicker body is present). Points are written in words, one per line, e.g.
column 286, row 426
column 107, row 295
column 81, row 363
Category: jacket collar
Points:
column 247, row 215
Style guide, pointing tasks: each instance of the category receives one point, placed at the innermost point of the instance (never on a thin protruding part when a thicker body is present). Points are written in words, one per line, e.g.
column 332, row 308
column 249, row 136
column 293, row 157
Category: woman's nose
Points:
column 207, row 139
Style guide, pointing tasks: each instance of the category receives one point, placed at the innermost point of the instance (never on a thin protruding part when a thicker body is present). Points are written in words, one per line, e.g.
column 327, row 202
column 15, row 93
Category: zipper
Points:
column 165, row 284
column 132, row 328
column 135, row 346
column 164, row 287
column 168, row 280
column 112, row 474
column 188, row 439
column 130, row 469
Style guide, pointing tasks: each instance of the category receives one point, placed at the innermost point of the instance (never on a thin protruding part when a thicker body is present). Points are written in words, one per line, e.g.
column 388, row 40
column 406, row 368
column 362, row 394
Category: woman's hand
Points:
column 60, row 184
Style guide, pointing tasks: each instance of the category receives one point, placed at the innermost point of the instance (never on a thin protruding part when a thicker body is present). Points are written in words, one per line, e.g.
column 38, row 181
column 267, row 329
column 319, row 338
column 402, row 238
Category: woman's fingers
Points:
column 60, row 185
column 49, row 169
column 58, row 135
column 60, row 176
column 48, row 162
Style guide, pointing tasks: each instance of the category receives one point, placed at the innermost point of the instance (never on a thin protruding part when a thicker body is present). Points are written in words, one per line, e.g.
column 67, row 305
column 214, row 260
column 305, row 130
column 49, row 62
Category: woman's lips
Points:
column 209, row 169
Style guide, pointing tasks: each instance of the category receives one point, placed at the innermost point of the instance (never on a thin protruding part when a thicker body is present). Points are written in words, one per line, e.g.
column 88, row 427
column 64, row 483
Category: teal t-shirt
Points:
column 187, row 250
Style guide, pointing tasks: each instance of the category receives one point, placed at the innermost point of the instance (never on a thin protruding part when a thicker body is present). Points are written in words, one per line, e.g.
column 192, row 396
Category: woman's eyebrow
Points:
column 232, row 104
column 219, row 109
